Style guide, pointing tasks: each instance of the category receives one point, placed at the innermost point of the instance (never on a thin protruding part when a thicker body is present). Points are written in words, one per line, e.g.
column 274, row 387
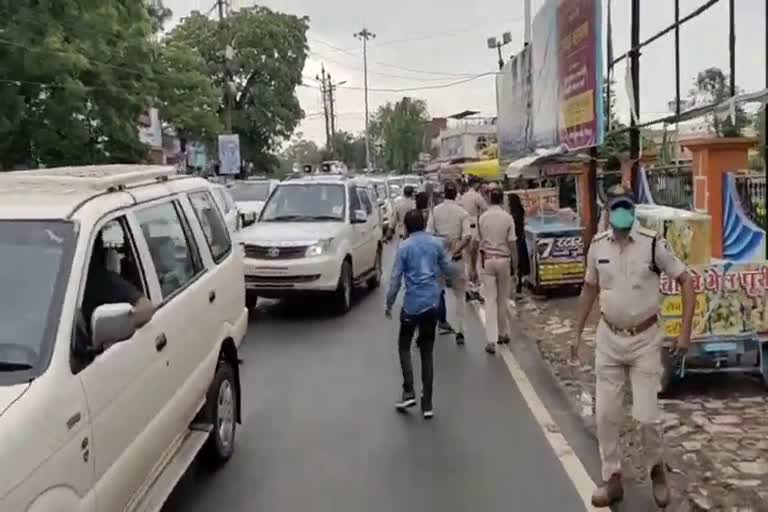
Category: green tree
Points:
column 614, row 144
column 350, row 149
column 712, row 86
column 300, row 151
column 76, row 76
column 399, row 129
column 187, row 98
column 265, row 61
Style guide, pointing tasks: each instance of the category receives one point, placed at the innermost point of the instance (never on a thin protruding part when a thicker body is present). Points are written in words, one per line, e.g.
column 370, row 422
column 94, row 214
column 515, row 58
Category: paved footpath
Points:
column 320, row 432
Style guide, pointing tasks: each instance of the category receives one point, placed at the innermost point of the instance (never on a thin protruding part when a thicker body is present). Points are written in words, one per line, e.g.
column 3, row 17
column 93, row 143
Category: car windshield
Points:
column 305, row 202
column 394, row 190
column 35, row 258
column 250, row 191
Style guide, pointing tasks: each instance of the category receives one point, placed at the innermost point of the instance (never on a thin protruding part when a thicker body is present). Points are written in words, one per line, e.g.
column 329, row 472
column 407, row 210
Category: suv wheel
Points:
column 343, row 294
column 375, row 280
column 220, row 412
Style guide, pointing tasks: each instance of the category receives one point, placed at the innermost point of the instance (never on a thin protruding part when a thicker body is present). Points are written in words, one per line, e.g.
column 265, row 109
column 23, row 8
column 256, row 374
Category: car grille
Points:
column 280, row 281
column 264, row 252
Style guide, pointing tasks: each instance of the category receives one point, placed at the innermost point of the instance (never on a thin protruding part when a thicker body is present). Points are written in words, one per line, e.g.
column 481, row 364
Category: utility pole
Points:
column 332, row 113
column 227, row 74
column 324, row 91
column 364, row 35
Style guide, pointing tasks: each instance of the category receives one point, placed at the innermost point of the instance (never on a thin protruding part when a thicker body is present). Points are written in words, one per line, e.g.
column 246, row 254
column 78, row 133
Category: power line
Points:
column 422, row 88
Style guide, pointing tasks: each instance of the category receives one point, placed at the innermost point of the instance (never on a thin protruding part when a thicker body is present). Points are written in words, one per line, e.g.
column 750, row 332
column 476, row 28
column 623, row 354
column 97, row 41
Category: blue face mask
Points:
column 622, row 218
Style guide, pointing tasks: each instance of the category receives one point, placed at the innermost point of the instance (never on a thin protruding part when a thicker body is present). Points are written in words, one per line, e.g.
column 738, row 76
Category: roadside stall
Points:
column 554, row 232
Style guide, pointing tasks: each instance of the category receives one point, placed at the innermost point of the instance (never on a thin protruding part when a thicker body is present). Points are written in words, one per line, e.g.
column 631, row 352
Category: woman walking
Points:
column 523, row 261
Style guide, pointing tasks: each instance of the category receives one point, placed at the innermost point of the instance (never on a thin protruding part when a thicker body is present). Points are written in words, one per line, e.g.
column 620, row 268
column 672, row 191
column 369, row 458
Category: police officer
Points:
column 475, row 204
column 623, row 266
column 403, row 205
column 496, row 249
column 450, row 222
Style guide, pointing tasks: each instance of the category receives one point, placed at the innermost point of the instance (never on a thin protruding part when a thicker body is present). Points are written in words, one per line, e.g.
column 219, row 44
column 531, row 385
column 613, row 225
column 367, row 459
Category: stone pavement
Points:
column 716, row 426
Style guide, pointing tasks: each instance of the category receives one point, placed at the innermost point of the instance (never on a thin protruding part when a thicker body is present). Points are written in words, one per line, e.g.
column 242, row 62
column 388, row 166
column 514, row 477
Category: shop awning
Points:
column 485, row 169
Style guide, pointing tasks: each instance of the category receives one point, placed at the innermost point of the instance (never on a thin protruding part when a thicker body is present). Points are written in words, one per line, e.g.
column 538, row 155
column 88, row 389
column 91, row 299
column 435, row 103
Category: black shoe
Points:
column 490, row 348
column 427, row 409
column 467, row 297
column 503, row 340
column 459, row 338
column 408, row 400
column 445, row 328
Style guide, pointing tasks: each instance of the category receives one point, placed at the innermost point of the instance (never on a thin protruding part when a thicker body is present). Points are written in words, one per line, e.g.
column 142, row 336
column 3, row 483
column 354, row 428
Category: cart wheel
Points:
column 670, row 372
column 764, row 362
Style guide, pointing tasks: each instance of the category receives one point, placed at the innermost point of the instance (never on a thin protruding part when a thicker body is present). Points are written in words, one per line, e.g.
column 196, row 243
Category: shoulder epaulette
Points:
column 646, row 232
column 600, row 236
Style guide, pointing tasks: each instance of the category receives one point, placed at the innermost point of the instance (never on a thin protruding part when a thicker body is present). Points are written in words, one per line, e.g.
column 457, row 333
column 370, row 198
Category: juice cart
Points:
column 556, row 251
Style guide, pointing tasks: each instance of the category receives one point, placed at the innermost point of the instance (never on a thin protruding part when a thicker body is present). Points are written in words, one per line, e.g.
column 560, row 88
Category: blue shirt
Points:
column 420, row 260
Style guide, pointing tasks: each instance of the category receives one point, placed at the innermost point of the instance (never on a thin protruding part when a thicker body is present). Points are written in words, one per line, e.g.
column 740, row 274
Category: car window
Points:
column 354, row 200
column 302, row 202
column 251, row 191
column 214, row 228
column 35, row 258
column 228, row 200
column 173, row 251
column 221, row 199
column 365, row 200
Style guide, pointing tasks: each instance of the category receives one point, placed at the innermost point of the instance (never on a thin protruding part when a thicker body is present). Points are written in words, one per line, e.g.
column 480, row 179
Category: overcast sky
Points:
column 422, row 43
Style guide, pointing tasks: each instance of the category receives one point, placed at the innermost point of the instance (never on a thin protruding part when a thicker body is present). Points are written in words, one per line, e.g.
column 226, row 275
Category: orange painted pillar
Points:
column 712, row 158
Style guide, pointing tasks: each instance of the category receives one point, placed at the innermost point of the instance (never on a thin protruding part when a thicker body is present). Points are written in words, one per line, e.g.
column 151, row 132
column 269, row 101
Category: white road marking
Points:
column 571, row 464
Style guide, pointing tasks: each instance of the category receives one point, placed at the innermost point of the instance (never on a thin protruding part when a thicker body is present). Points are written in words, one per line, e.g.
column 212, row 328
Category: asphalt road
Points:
column 320, row 431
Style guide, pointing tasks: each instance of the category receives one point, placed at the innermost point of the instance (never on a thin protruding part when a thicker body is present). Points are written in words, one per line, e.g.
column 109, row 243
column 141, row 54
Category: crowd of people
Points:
column 475, row 237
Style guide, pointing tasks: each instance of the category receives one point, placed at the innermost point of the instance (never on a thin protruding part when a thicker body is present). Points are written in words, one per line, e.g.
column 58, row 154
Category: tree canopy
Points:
column 712, row 86
column 400, row 130
column 266, row 56
column 76, row 76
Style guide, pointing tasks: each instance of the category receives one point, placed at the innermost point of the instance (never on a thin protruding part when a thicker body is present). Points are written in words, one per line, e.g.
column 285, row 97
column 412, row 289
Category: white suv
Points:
column 319, row 234
column 121, row 314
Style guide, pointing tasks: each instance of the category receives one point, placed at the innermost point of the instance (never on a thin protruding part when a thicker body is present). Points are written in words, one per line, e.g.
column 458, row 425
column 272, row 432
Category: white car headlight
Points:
column 319, row 248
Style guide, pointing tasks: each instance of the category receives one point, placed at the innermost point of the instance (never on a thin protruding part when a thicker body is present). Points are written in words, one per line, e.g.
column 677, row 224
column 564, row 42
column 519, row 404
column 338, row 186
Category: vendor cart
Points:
column 730, row 321
column 556, row 251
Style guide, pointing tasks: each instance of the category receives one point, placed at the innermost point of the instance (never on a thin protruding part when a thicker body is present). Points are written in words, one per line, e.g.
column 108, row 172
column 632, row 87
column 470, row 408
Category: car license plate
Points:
column 721, row 347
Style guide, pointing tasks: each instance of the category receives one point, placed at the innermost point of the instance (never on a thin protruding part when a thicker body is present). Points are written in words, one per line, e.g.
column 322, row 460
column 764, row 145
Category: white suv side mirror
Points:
column 112, row 323
column 359, row 217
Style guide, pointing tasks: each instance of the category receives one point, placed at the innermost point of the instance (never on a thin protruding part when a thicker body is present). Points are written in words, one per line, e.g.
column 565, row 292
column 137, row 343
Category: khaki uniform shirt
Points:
column 474, row 203
column 449, row 221
column 496, row 232
column 402, row 206
column 629, row 289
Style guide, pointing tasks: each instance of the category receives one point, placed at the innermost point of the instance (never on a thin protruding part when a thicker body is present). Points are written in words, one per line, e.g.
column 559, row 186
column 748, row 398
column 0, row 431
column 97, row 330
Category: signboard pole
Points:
column 634, row 134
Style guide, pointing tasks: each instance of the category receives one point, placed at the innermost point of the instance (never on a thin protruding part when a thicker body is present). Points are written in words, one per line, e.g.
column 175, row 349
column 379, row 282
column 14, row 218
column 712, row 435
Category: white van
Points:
column 121, row 313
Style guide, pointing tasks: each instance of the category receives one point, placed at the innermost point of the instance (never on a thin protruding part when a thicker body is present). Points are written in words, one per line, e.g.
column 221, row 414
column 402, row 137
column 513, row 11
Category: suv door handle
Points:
column 160, row 342
column 212, row 296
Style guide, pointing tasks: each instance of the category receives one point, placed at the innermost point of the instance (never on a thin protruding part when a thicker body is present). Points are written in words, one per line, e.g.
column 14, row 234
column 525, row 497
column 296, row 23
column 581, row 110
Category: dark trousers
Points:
column 442, row 312
column 425, row 323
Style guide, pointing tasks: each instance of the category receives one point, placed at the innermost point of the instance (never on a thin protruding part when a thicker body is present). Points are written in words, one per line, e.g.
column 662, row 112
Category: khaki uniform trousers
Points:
column 497, row 288
column 458, row 286
column 639, row 358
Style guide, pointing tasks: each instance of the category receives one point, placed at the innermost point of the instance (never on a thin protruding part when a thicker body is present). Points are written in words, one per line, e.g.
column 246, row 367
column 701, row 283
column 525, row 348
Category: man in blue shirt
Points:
column 420, row 261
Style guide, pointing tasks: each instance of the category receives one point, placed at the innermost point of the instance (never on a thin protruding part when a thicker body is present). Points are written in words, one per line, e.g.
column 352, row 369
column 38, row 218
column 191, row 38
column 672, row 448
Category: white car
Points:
column 121, row 314
column 250, row 196
column 319, row 234
column 226, row 204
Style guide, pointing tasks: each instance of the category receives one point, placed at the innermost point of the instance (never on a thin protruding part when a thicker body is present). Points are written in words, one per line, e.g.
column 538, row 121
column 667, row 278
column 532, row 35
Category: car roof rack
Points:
column 99, row 178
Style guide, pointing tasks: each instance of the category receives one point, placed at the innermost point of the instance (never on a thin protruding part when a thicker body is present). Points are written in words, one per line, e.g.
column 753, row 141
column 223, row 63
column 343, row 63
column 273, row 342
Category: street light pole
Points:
column 506, row 39
column 364, row 35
